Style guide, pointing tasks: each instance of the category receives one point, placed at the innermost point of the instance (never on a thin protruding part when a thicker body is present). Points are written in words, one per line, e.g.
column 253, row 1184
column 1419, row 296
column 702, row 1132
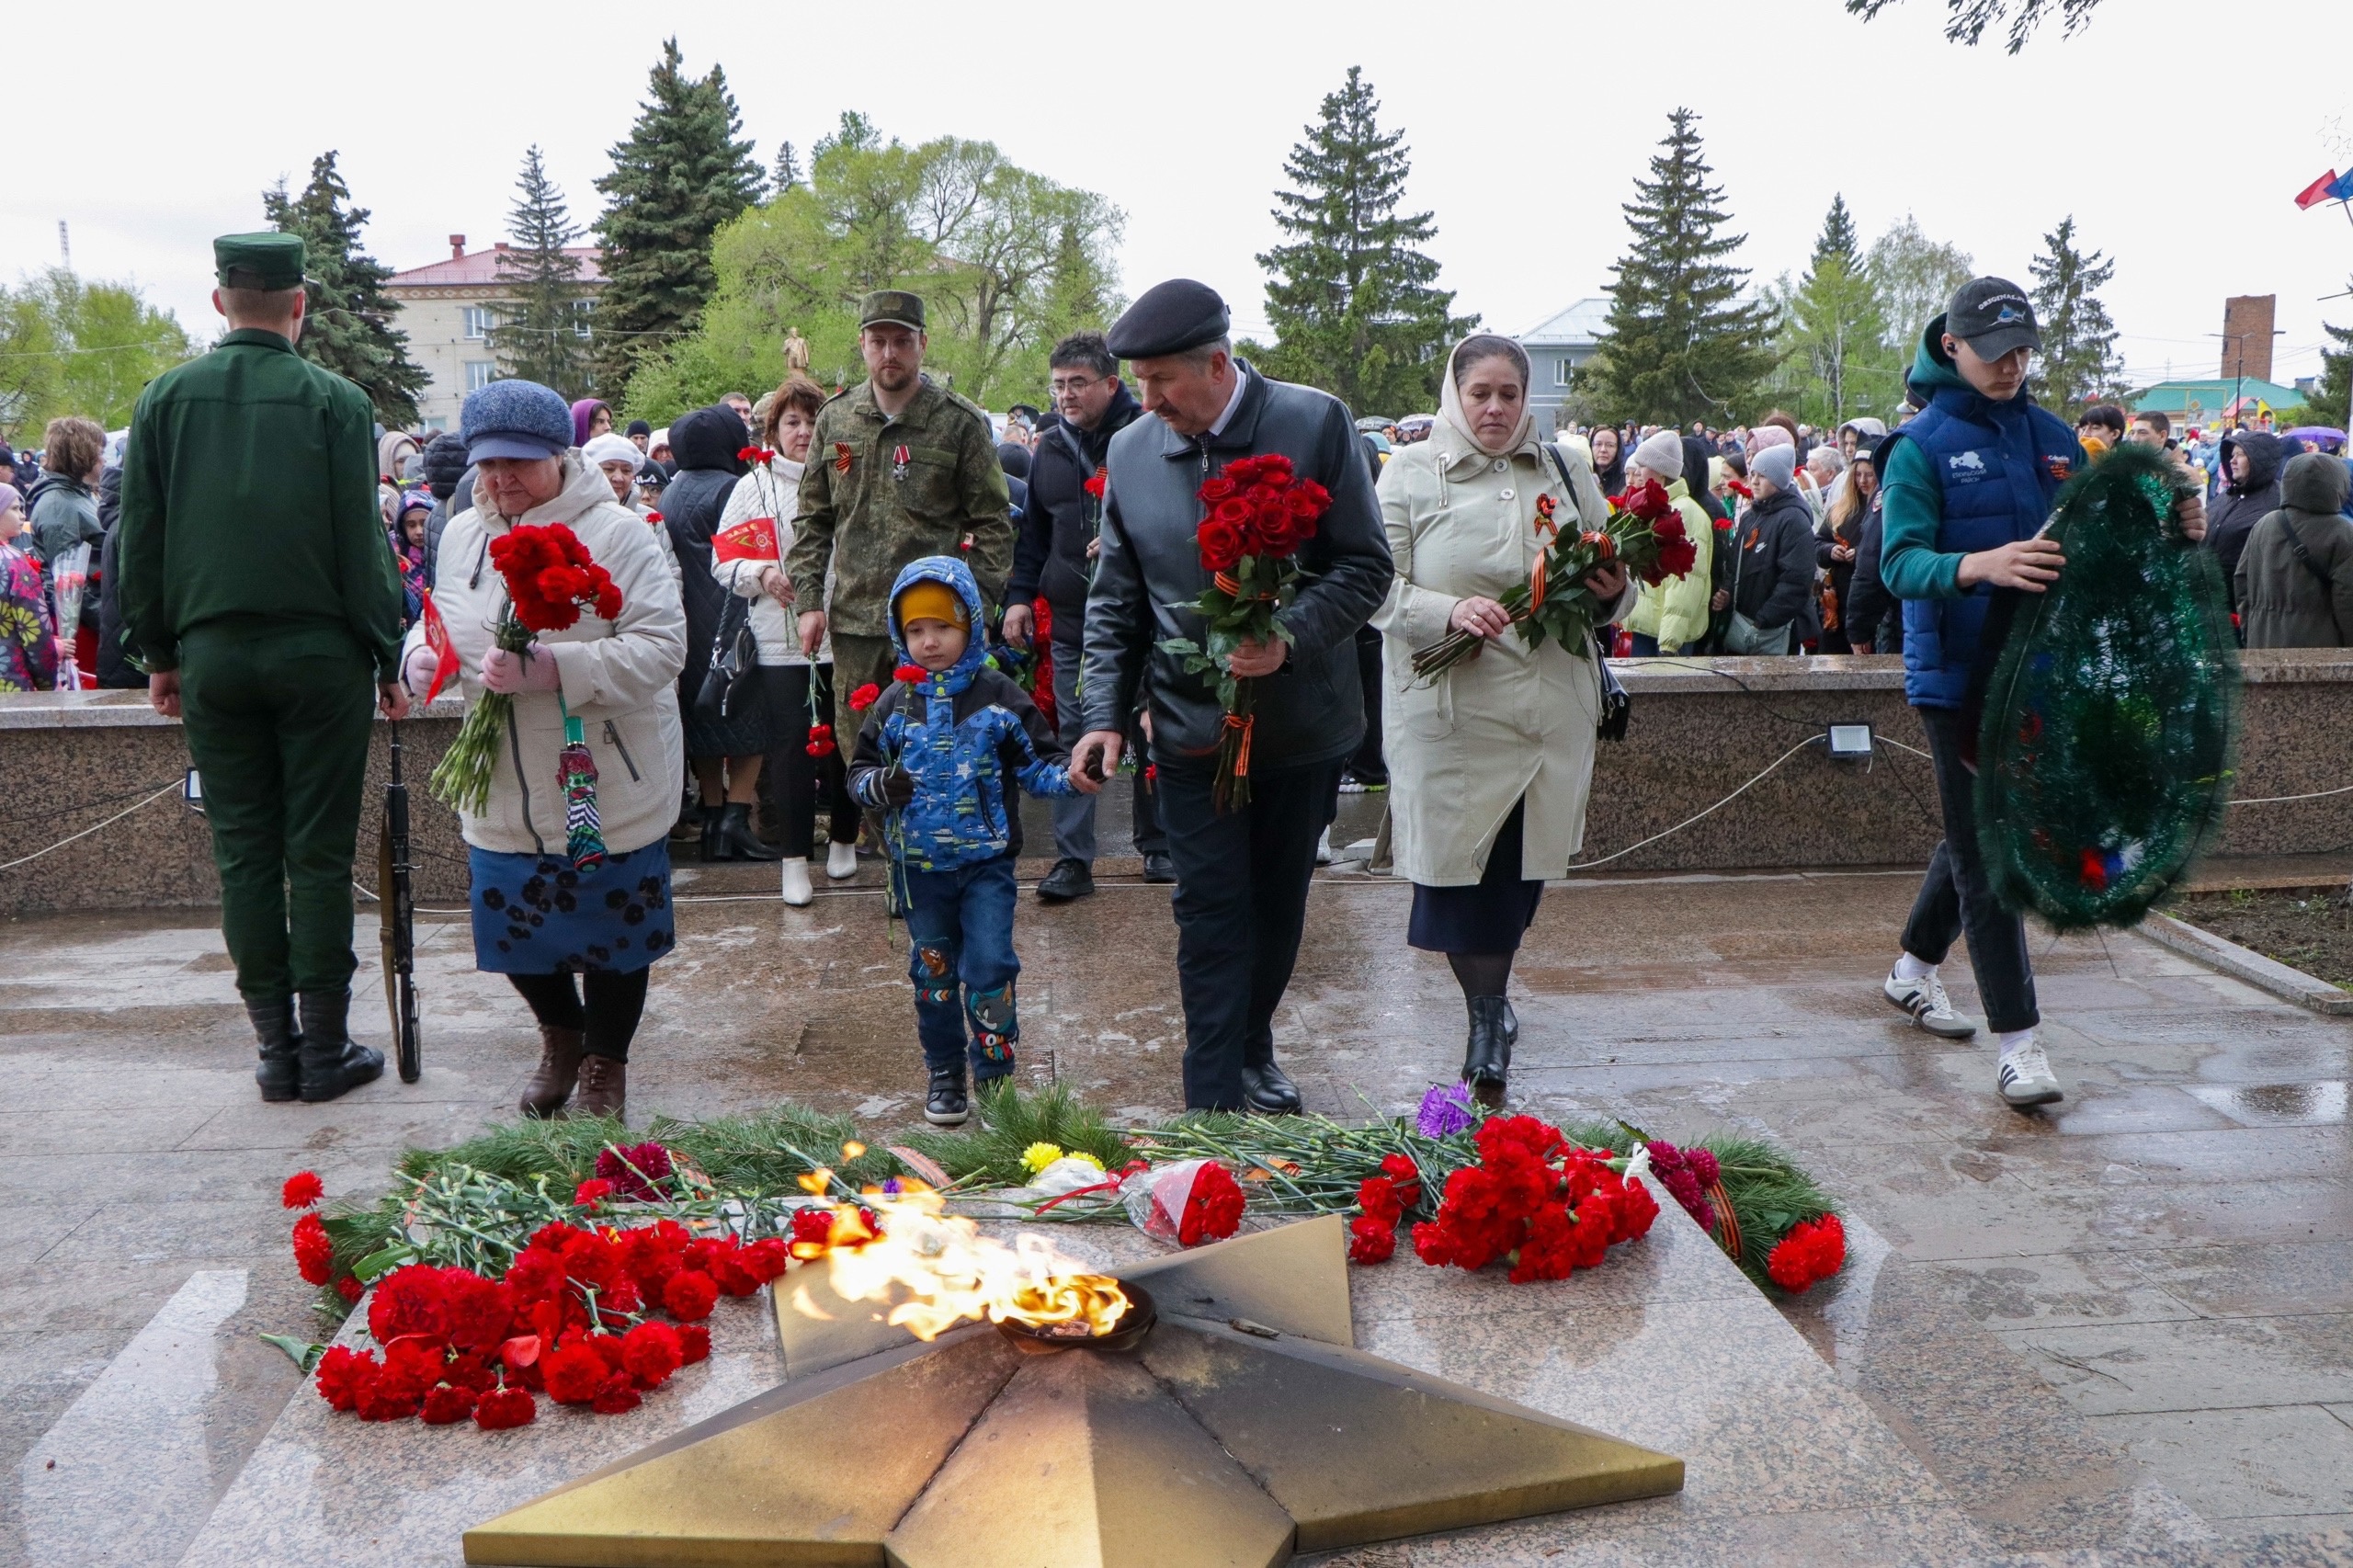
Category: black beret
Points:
column 1170, row 318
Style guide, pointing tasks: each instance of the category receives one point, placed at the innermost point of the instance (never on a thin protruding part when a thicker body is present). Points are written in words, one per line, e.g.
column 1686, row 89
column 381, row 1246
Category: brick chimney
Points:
column 457, row 247
column 2246, row 334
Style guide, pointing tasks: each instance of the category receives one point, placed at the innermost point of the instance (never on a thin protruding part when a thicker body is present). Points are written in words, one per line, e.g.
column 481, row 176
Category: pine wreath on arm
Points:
column 2111, row 719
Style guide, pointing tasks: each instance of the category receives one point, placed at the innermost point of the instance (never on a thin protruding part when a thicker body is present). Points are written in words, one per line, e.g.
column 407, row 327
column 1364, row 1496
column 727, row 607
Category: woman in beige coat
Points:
column 1489, row 763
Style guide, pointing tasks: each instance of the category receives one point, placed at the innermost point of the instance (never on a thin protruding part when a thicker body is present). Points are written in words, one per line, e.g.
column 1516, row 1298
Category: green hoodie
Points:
column 1913, row 507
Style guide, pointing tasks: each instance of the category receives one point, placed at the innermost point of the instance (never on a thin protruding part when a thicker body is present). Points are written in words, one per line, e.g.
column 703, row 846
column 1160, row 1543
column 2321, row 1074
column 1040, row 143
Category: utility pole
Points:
column 65, row 247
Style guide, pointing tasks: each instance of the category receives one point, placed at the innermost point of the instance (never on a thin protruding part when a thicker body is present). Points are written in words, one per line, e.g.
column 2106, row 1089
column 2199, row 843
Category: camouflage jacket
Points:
column 878, row 493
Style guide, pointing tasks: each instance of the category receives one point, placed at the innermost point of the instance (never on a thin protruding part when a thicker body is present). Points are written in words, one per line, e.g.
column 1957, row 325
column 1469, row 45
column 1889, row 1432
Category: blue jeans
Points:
column 960, row 930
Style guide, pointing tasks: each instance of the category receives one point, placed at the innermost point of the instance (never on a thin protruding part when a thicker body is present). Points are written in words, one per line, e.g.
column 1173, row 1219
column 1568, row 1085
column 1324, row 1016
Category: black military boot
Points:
column 281, row 1073
column 332, row 1061
column 736, row 837
column 1486, row 1060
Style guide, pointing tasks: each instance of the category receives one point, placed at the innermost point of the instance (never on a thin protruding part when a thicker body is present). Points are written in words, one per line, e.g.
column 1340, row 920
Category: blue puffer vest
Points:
column 1998, row 465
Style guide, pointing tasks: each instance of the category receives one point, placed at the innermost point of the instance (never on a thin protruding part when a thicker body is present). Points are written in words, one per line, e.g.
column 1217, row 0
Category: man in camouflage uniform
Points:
column 898, row 469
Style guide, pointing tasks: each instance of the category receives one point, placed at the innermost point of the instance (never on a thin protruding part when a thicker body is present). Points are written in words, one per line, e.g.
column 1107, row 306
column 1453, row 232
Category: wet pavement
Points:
column 2121, row 1325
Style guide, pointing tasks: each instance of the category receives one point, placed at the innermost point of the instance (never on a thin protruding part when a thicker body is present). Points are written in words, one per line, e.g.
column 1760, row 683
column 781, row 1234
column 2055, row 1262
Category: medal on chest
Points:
column 899, row 462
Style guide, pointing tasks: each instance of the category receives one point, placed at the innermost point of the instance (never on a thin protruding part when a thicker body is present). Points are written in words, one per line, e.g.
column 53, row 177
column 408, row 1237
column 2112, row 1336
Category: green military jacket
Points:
column 878, row 493
column 249, row 490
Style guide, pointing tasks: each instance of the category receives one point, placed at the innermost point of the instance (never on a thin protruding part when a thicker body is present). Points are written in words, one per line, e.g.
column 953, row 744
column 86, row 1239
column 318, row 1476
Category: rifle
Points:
column 397, row 907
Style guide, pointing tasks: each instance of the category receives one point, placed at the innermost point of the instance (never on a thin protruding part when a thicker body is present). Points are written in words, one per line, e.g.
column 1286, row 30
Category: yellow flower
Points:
column 1085, row 1159
column 1038, row 1156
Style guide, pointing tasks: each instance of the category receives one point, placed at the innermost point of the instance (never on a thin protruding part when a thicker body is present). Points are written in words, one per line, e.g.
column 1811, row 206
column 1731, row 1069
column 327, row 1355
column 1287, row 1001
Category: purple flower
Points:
column 1446, row 1110
column 890, row 1187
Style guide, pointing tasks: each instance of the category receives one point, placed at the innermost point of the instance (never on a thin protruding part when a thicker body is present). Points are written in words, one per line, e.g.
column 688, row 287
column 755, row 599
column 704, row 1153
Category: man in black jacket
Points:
column 1054, row 557
column 1766, row 575
column 1242, row 874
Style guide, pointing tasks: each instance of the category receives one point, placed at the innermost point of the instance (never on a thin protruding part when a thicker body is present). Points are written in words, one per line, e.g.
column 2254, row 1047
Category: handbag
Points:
column 1742, row 635
column 1617, row 707
column 735, row 658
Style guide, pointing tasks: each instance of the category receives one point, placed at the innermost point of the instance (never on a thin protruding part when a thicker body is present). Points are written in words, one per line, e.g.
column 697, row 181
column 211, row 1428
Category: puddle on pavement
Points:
column 2276, row 1104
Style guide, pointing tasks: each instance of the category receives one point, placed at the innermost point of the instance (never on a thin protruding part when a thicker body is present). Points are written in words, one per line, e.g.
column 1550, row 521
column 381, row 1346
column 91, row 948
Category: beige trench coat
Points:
column 1509, row 722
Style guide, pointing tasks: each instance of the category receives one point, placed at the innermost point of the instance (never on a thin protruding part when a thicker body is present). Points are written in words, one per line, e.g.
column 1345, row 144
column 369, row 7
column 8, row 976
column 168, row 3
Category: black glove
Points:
column 898, row 787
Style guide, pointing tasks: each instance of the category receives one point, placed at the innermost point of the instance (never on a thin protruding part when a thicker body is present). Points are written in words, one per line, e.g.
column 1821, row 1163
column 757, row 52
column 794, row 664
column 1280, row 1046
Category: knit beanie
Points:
column 639, row 427
column 1662, row 454
column 1777, row 464
column 611, row 448
column 927, row 600
column 10, row 496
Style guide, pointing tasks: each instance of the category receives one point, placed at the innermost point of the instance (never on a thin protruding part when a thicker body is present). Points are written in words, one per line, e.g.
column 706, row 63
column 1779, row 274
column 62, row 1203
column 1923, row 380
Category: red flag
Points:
column 436, row 636
column 751, row 540
column 2316, row 193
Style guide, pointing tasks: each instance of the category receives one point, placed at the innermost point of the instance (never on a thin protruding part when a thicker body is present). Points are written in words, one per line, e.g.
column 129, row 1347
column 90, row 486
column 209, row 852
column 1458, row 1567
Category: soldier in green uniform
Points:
column 898, row 469
column 259, row 592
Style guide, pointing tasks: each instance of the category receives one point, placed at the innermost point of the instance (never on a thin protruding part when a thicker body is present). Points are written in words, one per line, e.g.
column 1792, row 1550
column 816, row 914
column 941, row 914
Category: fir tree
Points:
column 347, row 327
column 2333, row 391
column 538, row 335
column 788, row 171
column 681, row 174
column 2080, row 365
column 1352, row 301
column 1680, row 345
column 1838, row 240
column 1834, row 341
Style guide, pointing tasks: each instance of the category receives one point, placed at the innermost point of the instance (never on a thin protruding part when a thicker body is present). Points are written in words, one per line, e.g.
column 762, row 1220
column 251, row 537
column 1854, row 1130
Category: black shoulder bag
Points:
column 734, row 659
column 1617, row 707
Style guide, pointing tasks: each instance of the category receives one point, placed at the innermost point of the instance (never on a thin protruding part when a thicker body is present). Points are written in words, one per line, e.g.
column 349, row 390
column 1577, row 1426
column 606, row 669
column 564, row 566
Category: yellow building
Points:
column 446, row 309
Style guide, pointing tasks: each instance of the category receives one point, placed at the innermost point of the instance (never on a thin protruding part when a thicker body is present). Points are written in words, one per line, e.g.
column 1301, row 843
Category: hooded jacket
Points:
column 968, row 736
column 1063, row 519
column 706, row 443
column 1766, row 560
column 2240, row 507
column 2288, row 600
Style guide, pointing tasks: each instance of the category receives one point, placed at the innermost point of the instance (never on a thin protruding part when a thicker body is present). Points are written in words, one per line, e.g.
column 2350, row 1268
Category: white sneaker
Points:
column 1930, row 1008
column 2026, row 1078
column 796, row 891
column 1324, row 849
column 841, row 860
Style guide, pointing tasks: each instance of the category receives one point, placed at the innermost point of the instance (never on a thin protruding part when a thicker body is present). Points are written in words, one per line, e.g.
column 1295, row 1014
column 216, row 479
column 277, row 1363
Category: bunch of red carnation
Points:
column 1372, row 1234
column 1212, row 1209
column 636, row 1172
column 1258, row 506
column 1812, row 1252
column 865, row 697
column 1687, row 1174
column 551, row 577
column 1536, row 1201
column 821, row 741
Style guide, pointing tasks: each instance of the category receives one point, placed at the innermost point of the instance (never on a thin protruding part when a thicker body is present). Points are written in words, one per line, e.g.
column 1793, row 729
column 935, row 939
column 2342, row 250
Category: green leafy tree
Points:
column 1967, row 20
column 72, row 345
column 2332, row 396
column 681, row 175
column 1913, row 276
column 1353, row 302
column 1835, row 358
column 348, row 327
column 539, row 335
column 1006, row 261
column 1681, row 344
column 2079, row 363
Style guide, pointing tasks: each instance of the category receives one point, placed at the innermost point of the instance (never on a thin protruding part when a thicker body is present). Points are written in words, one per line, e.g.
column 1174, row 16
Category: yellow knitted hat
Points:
column 929, row 601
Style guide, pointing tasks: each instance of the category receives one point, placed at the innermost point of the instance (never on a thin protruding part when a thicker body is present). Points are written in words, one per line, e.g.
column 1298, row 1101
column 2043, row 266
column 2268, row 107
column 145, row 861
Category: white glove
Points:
column 532, row 670
column 416, row 670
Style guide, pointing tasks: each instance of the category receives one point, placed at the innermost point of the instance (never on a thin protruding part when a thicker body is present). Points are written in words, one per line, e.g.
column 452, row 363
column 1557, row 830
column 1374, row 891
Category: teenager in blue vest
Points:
column 1967, row 487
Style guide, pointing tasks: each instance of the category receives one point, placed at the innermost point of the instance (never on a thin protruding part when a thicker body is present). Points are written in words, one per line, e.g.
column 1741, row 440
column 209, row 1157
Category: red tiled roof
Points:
column 480, row 267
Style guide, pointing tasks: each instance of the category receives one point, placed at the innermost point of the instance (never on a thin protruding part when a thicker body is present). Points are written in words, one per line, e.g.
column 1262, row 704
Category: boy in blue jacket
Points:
column 945, row 751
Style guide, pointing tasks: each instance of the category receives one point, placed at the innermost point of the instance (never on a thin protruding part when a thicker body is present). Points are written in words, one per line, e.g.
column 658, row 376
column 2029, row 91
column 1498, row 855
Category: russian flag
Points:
column 2320, row 190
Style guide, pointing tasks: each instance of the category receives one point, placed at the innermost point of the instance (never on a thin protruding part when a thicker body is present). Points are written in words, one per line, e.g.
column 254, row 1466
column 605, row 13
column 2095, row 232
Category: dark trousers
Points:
column 277, row 719
column 1955, row 898
column 1241, row 880
column 960, row 939
column 797, row 782
column 1369, row 766
column 605, row 1007
column 1074, row 816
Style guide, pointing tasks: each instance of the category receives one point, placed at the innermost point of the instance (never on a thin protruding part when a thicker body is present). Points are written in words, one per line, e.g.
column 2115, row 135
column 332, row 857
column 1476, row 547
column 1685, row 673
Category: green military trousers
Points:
column 279, row 719
column 858, row 660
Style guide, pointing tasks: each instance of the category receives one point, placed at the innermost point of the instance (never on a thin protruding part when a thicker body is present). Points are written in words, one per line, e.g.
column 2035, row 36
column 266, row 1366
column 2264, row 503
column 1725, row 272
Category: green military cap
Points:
column 890, row 307
column 270, row 260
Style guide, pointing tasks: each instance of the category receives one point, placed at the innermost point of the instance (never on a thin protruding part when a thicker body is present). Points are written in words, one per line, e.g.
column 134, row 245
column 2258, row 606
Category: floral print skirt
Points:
column 535, row 915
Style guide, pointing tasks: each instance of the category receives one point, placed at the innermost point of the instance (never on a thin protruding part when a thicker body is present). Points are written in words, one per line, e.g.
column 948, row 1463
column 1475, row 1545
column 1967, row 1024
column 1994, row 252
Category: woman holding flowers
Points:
column 1491, row 758
column 558, row 609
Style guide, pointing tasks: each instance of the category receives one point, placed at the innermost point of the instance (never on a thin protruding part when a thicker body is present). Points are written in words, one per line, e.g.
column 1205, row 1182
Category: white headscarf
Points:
column 1449, row 408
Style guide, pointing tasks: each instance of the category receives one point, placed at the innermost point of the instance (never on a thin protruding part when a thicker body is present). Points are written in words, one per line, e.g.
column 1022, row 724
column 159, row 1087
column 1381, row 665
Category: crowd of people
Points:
column 992, row 607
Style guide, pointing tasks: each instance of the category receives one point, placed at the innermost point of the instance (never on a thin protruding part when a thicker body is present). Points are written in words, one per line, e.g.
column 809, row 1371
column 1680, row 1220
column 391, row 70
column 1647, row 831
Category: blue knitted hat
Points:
column 515, row 419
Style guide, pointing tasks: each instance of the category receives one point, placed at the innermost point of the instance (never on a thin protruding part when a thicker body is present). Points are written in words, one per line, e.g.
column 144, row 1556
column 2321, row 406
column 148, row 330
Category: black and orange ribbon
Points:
column 1245, row 722
column 1536, row 574
column 841, row 456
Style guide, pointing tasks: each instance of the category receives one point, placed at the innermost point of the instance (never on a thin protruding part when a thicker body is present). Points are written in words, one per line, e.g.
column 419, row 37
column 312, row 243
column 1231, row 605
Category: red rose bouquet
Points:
column 1643, row 532
column 551, row 580
column 1260, row 514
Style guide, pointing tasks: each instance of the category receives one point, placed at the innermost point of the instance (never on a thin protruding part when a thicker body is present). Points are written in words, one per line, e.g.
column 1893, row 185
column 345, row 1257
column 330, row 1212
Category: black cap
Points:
column 1994, row 316
column 1170, row 318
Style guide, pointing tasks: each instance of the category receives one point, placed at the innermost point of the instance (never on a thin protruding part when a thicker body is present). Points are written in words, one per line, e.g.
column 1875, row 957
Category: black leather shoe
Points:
column 736, row 837
column 281, row 1070
column 1069, row 879
column 1486, row 1059
column 709, row 817
column 1268, row 1091
column 1159, row 868
column 332, row 1061
column 946, row 1105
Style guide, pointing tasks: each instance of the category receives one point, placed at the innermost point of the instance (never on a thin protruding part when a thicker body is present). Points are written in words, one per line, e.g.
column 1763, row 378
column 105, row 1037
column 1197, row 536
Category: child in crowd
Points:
column 945, row 751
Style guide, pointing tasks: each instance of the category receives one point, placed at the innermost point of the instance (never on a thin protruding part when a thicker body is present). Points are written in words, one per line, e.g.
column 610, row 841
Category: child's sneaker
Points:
column 946, row 1105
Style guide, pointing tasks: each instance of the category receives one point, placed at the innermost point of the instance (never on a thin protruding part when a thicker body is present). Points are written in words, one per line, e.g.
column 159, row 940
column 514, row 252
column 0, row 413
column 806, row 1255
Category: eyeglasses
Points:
column 1064, row 386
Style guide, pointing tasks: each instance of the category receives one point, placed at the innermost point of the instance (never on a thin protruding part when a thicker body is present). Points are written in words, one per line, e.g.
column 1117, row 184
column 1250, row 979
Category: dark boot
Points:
column 281, row 1073
column 709, row 815
column 559, row 1069
column 945, row 1104
column 1486, row 1061
column 1269, row 1091
column 604, row 1087
column 736, row 840
column 1069, row 879
column 332, row 1061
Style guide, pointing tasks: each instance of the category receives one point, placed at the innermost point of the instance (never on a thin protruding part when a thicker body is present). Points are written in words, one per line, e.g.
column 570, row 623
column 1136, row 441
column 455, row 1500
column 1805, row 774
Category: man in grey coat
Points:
column 1242, row 874
column 2294, row 584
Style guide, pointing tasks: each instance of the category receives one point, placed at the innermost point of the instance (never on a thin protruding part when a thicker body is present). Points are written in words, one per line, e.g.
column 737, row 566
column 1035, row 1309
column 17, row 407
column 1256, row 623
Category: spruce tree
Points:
column 1833, row 347
column 1838, row 240
column 537, row 334
column 788, row 171
column 2080, row 365
column 682, row 172
column 2333, row 393
column 1352, row 301
column 1681, row 346
column 348, row 325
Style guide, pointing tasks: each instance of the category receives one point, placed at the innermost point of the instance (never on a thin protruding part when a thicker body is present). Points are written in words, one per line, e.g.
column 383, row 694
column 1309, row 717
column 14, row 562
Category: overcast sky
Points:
column 1528, row 125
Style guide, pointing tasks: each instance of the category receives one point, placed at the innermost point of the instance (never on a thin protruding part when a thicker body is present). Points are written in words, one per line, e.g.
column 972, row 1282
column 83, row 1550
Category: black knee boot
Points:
column 332, row 1061
column 1486, row 1060
column 281, row 1073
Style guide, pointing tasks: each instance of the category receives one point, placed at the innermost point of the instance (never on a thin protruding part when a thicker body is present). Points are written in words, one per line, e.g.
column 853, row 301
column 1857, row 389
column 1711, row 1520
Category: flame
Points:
column 941, row 1271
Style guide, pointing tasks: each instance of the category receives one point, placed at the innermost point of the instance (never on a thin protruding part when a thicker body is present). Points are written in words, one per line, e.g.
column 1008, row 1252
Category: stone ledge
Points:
column 2245, row 963
column 129, row 709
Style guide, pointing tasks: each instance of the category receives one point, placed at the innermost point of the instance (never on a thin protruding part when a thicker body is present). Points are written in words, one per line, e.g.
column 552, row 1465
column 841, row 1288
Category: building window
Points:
column 580, row 309
column 477, row 323
column 1561, row 371
column 480, row 373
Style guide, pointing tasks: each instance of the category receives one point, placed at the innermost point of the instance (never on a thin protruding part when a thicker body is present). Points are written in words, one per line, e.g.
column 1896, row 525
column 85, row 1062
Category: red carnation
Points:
column 694, row 1343
column 313, row 1252
column 590, row 1193
column 1371, row 1239
column 1812, row 1252
column 733, row 1274
column 477, row 1312
column 343, row 1374
column 574, row 1372
column 865, row 697
column 410, row 1301
column 1377, row 1195
column 812, row 1224
column 618, row 1396
column 536, row 1275
column 445, row 1406
column 1213, row 1208
column 505, row 1408
column 767, row 1258
column 690, row 1296
column 350, row 1289
column 634, row 1170
column 914, row 675
column 650, row 1352
column 301, row 1189
column 821, row 741
column 1098, row 481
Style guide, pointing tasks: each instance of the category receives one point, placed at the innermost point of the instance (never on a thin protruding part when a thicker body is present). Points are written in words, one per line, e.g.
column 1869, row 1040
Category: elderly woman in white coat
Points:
column 1490, row 762
column 798, row 691
column 537, row 918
